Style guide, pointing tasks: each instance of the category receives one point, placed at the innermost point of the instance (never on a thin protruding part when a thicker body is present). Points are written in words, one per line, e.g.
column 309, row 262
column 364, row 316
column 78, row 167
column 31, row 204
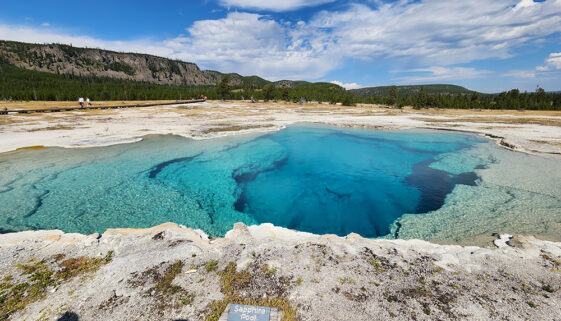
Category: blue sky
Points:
column 484, row 45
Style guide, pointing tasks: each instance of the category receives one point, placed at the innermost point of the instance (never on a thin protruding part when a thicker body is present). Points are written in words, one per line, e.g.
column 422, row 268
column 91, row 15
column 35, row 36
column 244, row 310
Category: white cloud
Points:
column 520, row 74
column 33, row 35
column 440, row 33
column 553, row 62
column 524, row 4
column 352, row 85
column 45, row 24
column 439, row 73
column 542, row 68
column 552, row 66
column 241, row 42
column 431, row 32
column 273, row 5
column 250, row 43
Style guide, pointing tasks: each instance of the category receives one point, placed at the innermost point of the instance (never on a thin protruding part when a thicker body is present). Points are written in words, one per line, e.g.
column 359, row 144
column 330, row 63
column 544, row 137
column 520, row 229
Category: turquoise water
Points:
column 309, row 178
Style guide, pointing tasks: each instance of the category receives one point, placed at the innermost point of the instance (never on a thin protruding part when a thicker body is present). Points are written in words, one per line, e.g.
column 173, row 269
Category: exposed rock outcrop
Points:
column 68, row 60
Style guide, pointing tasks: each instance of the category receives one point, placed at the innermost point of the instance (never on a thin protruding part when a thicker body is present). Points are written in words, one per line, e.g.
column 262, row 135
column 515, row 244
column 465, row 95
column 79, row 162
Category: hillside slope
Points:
column 69, row 60
column 22, row 84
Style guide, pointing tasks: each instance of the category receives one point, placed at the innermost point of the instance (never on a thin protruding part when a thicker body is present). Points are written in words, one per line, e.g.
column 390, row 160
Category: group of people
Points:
column 81, row 101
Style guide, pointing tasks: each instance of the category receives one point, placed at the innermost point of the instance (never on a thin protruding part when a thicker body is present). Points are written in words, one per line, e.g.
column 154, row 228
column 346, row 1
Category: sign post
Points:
column 240, row 312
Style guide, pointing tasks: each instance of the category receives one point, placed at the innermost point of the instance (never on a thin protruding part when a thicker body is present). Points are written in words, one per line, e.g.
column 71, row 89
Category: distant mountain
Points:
column 62, row 73
column 304, row 84
column 58, row 72
column 411, row 90
column 69, row 60
column 86, row 62
column 293, row 84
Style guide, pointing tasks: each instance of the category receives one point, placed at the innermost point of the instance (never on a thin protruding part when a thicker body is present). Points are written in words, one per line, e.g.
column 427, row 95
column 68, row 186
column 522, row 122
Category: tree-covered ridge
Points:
column 513, row 99
column 285, row 90
column 412, row 90
column 22, row 84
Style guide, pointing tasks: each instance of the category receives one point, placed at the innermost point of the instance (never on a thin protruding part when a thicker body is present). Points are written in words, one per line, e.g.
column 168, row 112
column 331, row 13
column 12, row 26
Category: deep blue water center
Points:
column 315, row 179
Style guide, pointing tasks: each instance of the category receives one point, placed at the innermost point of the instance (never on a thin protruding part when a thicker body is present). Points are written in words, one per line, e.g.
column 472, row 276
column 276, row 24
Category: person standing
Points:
column 88, row 102
column 81, row 102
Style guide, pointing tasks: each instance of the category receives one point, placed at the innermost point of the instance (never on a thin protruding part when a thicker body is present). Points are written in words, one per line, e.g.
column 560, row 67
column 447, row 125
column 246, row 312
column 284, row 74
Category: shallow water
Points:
column 313, row 178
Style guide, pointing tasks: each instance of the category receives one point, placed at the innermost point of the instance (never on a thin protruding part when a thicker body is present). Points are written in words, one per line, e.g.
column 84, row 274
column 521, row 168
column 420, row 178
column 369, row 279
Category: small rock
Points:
column 202, row 234
column 502, row 241
column 519, row 242
column 240, row 233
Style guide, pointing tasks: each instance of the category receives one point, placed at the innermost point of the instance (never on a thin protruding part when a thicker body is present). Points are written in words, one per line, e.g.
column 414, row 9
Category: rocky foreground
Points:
column 170, row 272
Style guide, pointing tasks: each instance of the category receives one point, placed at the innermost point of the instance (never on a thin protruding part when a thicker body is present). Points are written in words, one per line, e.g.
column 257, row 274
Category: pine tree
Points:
column 223, row 89
column 393, row 96
column 268, row 92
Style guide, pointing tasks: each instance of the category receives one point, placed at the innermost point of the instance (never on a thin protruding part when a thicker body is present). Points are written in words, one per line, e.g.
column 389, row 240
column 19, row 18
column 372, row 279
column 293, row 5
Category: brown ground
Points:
column 441, row 118
column 54, row 104
column 459, row 112
column 495, row 119
column 309, row 106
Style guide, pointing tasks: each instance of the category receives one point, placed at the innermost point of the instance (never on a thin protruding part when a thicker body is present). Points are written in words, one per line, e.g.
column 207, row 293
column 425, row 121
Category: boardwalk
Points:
column 63, row 109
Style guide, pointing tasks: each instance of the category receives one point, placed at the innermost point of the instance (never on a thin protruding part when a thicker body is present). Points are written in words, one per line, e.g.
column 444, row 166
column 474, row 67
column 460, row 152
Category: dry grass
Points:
column 283, row 105
column 218, row 110
column 378, row 109
column 38, row 276
column 54, row 104
column 8, row 120
column 94, row 112
column 499, row 120
column 36, row 147
column 436, row 124
column 232, row 128
column 547, row 142
column 484, row 112
column 57, row 127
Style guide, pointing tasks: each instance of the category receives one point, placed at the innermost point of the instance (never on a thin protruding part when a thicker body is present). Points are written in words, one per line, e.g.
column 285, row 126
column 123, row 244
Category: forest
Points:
column 513, row 99
column 29, row 85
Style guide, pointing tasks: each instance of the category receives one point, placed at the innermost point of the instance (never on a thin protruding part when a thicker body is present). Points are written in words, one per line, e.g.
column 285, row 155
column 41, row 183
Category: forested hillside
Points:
column 21, row 84
column 411, row 90
column 59, row 72
column 62, row 72
column 513, row 99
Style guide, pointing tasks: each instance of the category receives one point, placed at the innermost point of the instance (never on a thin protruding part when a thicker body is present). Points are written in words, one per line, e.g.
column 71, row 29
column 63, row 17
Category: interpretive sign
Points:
column 239, row 312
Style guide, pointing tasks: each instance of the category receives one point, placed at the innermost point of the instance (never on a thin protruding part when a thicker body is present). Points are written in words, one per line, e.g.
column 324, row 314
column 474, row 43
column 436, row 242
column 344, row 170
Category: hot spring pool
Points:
column 415, row 183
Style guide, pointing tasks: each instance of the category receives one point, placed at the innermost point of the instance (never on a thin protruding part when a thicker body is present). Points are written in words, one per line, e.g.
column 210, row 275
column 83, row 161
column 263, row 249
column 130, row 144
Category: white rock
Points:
column 501, row 241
